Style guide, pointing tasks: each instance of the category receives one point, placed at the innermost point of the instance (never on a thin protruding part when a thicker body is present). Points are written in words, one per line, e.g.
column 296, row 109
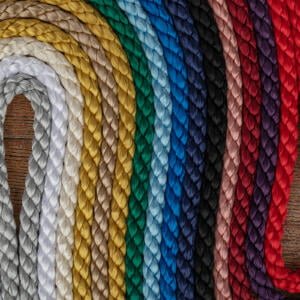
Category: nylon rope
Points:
column 125, row 149
column 107, row 85
column 161, row 140
column 90, row 155
column 9, row 263
column 231, row 156
column 195, row 148
column 243, row 27
column 261, row 284
column 164, row 260
column 285, row 22
column 214, row 67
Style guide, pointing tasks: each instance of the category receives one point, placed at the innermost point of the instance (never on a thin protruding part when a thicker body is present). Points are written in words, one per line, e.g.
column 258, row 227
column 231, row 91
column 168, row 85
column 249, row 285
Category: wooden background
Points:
column 18, row 139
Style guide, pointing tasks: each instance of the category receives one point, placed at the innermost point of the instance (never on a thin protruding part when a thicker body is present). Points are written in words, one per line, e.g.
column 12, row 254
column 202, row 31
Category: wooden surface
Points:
column 18, row 139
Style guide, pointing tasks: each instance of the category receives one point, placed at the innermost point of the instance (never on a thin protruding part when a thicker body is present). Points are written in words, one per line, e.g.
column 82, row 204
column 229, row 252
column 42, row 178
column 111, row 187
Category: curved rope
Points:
column 261, row 283
column 160, row 257
column 70, row 174
column 12, row 257
column 130, row 233
column 285, row 22
column 214, row 67
column 126, row 94
column 243, row 28
column 195, row 148
column 161, row 140
column 90, row 155
column 231, row 156
column 107, row 84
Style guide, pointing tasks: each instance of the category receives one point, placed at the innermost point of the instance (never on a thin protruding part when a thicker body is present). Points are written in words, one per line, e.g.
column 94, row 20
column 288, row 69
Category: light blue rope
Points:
column 161, row 142
column 162, row 283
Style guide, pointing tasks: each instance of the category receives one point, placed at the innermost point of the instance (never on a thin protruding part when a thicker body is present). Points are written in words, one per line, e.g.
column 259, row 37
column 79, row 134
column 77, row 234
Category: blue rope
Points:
column 163, row 25
column 189, row 40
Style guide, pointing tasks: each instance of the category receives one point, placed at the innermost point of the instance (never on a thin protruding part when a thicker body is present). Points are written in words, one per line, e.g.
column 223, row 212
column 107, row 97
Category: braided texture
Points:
column 107, row 84
column 282, row 277
column 260, row 282
column 231, row 156
column 139, row 183
column 161, row 141
column 162, row 22
column 10, row 265
column 214, row 67
column 243, row 28
column 194, row 165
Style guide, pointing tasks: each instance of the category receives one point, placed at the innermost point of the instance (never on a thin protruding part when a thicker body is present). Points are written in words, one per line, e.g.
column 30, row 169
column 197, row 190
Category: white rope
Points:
column 61, row 242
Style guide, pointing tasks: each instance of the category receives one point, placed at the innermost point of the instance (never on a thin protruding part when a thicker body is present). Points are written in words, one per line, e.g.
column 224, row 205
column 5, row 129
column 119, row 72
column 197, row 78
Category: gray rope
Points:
column 18, row 270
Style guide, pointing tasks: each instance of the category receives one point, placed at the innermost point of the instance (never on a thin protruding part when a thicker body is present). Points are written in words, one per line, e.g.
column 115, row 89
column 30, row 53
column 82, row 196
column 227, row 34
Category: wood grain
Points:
column 18, row 138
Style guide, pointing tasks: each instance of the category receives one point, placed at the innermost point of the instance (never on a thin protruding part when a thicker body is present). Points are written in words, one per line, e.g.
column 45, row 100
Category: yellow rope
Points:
column 90, row 156
column 121, row 182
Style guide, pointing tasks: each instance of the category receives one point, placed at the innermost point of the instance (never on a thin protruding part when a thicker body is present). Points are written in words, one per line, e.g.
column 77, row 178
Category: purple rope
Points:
column 261, row 283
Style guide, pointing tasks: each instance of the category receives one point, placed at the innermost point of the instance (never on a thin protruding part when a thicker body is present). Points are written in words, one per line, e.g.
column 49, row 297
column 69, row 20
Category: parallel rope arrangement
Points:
column 164, row 147
column 11, row 256
column 231, row 158
column 214, row 66
column 265, row 170
column 195, row 148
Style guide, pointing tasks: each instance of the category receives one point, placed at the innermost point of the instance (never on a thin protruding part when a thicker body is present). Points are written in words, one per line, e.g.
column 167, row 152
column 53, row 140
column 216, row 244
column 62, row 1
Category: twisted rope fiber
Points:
column 194, row 165
column 9, row 255
column 31, row 277
column 90, row 155
column 70, row 176
column 126, row 94
column 107, row 85
column 132, row 232
column 214, row 67
column 243, row 28
column 52, row 181
column 162, row 123
column 261, row 283
column 231, row 156
column 285, row 22
column 161, row 283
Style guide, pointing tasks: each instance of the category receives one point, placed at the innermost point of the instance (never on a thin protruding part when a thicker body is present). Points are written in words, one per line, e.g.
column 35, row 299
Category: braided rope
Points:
column 260, row 282
column 9, row 257
column 285, row 22
column 70, row 175
column 195, row 149
column 214, row 67
column 130, row 237
column 161, row 140
column 243, row 28
column 231, row 156
column 90, row 155
column 125, row 150
column 107, row 85
column 162, row 257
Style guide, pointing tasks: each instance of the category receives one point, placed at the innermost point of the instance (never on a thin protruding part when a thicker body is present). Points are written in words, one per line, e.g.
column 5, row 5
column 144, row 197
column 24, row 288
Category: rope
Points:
column 125, row 150
column 243, row 28
column 261, row 283
column 231, row 156
column 130, row 234
column 161, row 139
column 214, row 67
column 162, row 257
column 285, row 24
column 70, row 175
column 90, row 155
column 107, row 85
column 11, row 260
column 195, row 148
